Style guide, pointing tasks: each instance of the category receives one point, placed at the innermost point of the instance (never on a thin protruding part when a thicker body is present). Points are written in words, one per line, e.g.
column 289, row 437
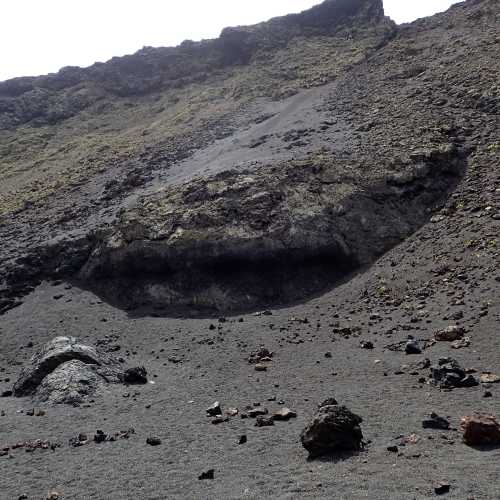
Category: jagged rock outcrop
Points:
column 50, row 99
column 301, row 214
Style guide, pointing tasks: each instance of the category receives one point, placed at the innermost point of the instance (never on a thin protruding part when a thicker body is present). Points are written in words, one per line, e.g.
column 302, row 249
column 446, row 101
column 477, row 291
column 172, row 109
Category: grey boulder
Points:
column 66, row 371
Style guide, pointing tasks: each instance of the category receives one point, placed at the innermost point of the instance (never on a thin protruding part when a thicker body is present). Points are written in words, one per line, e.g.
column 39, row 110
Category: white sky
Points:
column 41, row 36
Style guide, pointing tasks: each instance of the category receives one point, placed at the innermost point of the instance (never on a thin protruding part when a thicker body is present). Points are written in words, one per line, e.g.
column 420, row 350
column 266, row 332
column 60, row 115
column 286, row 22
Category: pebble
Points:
column 209, row 474
column 441, row 488
column 153, row 441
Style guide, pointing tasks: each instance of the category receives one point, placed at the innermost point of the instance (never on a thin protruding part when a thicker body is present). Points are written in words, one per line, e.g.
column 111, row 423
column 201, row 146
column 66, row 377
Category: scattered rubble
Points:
column 448, row 374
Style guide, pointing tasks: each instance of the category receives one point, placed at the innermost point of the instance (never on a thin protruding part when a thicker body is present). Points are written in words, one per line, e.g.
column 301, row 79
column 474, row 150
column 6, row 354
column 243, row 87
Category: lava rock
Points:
column 153, row 441
column 257, row 412
column 100, row 436
column 450, row 333
column 480, row 430
column 435, row 422
column 284, row 414
column 214, row 410
column 332, row 430
column 53, row 354
column 209, row 474
column 263, row 421
column 412, row 347
column 328, row 402
column 66, row 371
column 489, row 378
column 79, row 440
column 448, row 374
column 135, row 376
column 70, row 383
column 262, row 354
column 441, row 488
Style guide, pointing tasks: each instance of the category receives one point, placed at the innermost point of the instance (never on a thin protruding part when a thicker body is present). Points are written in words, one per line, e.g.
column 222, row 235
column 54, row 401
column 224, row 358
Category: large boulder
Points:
column 70, row 383
column 334, row 429
column 480, row 430
column 66, row 371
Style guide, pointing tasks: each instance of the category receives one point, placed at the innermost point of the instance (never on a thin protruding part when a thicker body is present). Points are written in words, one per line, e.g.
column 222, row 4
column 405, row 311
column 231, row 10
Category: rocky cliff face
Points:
column 50, row 99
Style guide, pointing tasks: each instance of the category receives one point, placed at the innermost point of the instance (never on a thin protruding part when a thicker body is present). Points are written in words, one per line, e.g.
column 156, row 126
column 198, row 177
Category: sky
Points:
column 41, row 36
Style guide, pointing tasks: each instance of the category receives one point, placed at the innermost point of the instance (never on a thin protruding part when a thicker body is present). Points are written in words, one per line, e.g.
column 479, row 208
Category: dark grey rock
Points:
column 263, row 421
column 153, row 441
column 214, row 410
column 412, row 347
column 135, row 376
column 435, row 422
column 334, row 429
column 448, row 374
column 209, row 474
column 328, row 402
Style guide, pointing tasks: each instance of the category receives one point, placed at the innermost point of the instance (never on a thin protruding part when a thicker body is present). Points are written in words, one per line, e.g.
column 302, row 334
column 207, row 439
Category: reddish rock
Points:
column 480, row 430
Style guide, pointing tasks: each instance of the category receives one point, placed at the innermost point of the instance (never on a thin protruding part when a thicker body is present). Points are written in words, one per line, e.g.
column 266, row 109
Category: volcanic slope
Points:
column 329, row 163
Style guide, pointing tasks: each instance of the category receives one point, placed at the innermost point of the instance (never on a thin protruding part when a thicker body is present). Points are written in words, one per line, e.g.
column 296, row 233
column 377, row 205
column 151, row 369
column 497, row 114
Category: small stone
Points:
column 263, row 421
column 214, row 410
column 393, row 449
column 232, row 412
column 135, row 376
column 284, row 414
column 257, row 412
column 489, row 378
column 487, row 394
column 209, row 474
column 79, row 440
column 328, row 402
column 6, row 394
column 260, row 367
column 153, row 441
column 366, row 344
column 242, row 439
column 441, row 488
column 469, row 381
column 436, row 422
column 480, row 430
column 412, row 347
column 100, row 436
column 450, row 333
column 459, row 344
column 220, row 420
